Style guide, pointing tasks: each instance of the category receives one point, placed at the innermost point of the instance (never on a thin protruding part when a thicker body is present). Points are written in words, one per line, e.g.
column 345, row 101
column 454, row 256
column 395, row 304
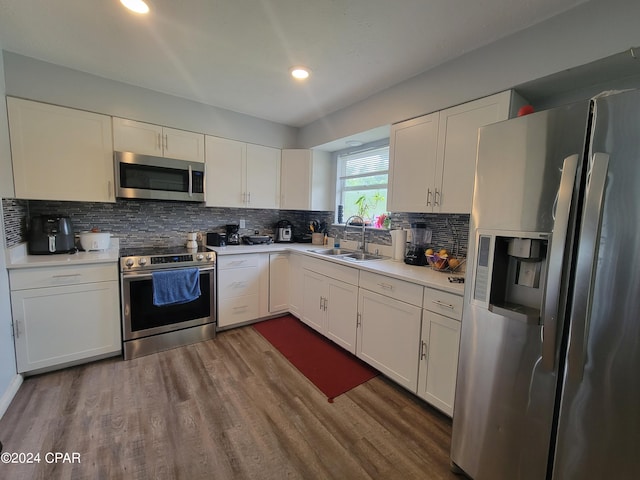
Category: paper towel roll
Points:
column 398, row 244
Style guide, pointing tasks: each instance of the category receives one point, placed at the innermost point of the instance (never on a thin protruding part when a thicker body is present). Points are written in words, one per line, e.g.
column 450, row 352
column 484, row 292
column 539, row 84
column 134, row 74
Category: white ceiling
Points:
column 236, row 54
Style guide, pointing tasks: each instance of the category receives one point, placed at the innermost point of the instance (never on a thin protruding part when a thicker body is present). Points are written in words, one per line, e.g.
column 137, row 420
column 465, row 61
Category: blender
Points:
column 420, row 235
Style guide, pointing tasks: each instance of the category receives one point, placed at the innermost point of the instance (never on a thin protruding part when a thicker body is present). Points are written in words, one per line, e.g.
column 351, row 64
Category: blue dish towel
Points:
column 171, row 287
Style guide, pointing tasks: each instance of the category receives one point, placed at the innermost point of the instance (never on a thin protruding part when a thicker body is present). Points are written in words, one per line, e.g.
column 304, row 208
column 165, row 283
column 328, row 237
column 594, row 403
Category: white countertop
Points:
column 425, row 276
column 17, row 257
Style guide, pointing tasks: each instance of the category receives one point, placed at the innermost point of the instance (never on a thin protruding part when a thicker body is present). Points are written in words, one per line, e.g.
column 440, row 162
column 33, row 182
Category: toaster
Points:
column 217, row 239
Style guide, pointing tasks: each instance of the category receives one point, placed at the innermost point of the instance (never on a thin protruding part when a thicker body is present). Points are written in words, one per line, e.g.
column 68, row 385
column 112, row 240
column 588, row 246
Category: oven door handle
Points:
column 141, row 276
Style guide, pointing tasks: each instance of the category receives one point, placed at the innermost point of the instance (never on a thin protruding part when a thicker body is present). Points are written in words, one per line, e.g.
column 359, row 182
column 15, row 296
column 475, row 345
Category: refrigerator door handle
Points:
column 554, row 276
column 586, row 263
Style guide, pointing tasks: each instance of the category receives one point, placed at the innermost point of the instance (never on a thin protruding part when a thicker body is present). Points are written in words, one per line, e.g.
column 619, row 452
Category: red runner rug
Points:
column 329, row 367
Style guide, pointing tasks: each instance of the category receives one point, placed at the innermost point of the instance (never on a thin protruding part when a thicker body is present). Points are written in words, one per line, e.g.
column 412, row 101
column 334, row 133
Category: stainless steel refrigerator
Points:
column 549, row 370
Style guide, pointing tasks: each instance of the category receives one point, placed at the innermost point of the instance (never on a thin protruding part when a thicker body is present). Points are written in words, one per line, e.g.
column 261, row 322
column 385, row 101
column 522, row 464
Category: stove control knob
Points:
column 209, row 256
column 199, row 257
column 129, row 262
column 142, row 261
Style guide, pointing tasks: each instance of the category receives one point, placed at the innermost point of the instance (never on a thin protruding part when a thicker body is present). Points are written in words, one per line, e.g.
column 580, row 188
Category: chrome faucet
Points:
column 364, row 232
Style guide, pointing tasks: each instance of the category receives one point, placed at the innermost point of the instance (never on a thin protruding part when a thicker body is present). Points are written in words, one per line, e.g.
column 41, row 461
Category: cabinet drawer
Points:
column 392, row 287
column 225, row 262
column 237, row 283
column 58, row 276
column 331, row 270
column 232, row 311
column 444, row 303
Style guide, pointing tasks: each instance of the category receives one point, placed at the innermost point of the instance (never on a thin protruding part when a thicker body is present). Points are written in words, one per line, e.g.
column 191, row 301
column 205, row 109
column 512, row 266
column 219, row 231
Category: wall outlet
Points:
column 243, row 224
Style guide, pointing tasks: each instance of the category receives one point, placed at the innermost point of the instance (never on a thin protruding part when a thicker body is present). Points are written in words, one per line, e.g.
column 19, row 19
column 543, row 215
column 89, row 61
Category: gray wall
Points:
column 37, row 80
column 7, row 352
column 592, row 31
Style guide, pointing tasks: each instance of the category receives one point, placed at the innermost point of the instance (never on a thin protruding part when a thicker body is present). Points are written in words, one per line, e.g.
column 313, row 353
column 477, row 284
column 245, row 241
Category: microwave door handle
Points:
column 190, row 182
column 561, row 213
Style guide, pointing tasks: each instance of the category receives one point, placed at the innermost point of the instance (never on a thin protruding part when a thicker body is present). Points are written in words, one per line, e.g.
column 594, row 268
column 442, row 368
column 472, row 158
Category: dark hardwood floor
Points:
column 229, row 408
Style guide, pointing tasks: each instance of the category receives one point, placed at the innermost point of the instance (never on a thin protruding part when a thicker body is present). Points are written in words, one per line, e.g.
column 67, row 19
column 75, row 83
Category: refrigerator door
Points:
column 504, row 402
column 599, row 423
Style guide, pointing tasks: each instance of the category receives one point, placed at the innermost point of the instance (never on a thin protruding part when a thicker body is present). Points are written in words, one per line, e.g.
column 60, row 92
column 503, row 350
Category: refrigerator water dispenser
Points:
column 509, row 274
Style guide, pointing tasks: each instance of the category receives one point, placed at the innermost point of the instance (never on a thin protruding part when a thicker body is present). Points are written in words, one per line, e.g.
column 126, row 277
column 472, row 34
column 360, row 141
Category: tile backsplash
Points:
column 145, row 223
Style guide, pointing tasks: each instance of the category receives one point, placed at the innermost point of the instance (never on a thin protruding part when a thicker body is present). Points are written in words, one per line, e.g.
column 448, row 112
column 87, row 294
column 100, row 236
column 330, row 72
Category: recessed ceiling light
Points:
column 300, row 73
column 354, row 143
column 138, row 6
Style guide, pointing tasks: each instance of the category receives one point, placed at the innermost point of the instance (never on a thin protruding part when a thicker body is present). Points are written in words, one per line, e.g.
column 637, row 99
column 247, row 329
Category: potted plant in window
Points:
column 365, row 204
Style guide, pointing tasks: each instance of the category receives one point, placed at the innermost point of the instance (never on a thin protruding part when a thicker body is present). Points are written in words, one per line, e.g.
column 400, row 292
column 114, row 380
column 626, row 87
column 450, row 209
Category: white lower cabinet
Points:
column 64, row 315
column 238, row 288
column 440, row 342
column 296, row 287
column 330, row 304
column 278, row 282
column 389, row 336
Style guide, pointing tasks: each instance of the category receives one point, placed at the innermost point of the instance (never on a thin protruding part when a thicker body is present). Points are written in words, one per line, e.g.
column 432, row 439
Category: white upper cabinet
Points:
column 60, row 153
column 412, row 164
column 432, row 165
column 241, row 174
column 457, row 146
column 306, row 180
column 149, row 139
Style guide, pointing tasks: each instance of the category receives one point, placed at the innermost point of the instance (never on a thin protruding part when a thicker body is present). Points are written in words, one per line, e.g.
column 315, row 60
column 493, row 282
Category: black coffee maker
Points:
column 233, row 234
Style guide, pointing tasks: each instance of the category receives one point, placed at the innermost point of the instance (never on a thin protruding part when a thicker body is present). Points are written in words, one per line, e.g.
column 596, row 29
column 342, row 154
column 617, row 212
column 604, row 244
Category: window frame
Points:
column 341, row 177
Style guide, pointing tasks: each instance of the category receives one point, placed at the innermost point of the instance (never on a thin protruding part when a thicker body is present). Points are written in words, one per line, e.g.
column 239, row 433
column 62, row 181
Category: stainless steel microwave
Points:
column 158, row 178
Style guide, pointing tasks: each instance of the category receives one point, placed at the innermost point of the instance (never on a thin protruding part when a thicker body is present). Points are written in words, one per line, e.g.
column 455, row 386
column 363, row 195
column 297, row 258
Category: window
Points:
column 362, row 183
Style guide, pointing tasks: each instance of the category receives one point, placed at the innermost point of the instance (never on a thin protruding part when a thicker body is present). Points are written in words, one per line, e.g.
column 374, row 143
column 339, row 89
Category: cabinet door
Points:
column 224, row 162
column 457, row 146
column 439, row 360
column 296, row 284
column 262, row 177
column 278, row 282
column 389, row 337
column 342, row 314
column 60, row 153
column 57, row 325
column 295, row 184
column 137, row 137
column 314, row 301
column 183, row 145
column 412, row 168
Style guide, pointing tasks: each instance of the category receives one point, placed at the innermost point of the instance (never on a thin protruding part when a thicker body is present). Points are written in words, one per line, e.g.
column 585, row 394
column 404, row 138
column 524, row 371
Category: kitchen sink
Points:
column 333, row 251
column 351, row 255
column 361, row 257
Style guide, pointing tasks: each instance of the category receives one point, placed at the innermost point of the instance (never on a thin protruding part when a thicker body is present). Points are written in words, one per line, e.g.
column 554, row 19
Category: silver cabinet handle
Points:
column 159, row 139
column 428, row 196
column 556, row 253
column 423, row 350
column 436, row 198
column 166, row 142
column 586, row 263
column 69, row 275
column 385, row 286
column 442, row 304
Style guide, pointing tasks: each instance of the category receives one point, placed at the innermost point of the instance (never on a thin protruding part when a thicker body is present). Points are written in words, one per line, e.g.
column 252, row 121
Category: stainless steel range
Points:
column 149, row 328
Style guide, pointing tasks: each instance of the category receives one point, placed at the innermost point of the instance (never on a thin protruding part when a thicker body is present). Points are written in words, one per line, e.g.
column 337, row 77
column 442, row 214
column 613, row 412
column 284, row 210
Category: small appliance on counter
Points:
column 217, row 239
column 233, row 235
column 256, row 239
column 284, row 231
column 49, row 234
column 420, row 237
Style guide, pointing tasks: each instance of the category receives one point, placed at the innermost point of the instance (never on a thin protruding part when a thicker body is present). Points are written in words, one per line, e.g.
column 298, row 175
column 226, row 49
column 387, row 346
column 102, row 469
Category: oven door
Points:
column 141, row 318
